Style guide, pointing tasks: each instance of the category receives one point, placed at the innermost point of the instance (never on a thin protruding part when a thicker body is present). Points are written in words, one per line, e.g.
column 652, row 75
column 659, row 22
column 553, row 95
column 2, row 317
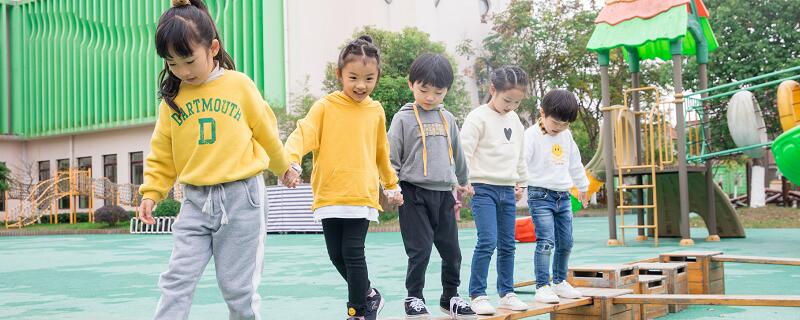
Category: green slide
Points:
column 728, row 224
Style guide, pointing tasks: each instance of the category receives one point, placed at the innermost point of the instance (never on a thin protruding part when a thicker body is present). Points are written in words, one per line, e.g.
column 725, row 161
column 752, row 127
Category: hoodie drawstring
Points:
column 425, row 145
column 208, row 206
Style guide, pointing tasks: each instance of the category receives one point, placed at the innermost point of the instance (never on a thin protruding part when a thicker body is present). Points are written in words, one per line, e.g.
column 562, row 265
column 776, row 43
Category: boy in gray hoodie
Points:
column 426, row 152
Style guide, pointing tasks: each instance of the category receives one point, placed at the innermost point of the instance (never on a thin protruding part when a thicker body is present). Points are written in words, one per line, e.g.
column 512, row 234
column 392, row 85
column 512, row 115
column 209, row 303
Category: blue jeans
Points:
column 493, row 208
column 552, row 218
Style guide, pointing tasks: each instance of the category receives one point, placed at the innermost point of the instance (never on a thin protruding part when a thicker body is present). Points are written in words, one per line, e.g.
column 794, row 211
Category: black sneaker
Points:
column 458, row 309
column 415, row 308
column 374, row 305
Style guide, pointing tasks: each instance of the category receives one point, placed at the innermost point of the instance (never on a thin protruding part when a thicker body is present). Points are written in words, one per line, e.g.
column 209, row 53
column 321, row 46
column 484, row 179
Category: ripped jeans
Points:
column 552, row 218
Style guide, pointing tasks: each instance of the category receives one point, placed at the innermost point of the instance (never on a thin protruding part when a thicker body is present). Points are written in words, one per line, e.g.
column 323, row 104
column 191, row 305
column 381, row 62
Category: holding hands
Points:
column 518, row 192
column 395, row 196
column 291, row 178
column 466, row 190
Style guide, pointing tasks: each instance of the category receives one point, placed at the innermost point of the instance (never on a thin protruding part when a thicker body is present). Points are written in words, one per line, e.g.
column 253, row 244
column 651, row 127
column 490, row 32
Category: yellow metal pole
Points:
column 5, row 203
column 91, row 196
column 72, row 195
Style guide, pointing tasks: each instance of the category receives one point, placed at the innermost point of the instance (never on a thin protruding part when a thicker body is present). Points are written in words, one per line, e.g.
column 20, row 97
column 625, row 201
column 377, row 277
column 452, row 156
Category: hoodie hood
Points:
column 341, row 98
column 410, row 107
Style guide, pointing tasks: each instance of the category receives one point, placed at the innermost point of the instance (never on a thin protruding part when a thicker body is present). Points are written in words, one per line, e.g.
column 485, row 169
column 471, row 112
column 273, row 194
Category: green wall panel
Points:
column 84, row 65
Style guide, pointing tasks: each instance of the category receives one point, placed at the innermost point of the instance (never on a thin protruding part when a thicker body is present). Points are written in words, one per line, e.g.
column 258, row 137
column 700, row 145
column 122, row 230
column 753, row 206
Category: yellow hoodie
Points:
column 350, row 149
column 226, row 133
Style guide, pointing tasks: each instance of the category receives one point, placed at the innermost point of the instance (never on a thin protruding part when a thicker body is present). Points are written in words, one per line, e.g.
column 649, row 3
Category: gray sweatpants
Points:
column 225, row 221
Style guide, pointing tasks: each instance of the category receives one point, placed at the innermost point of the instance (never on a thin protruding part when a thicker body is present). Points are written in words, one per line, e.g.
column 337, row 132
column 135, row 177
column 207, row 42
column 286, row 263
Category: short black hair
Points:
column 561, row 105
column 431, row 69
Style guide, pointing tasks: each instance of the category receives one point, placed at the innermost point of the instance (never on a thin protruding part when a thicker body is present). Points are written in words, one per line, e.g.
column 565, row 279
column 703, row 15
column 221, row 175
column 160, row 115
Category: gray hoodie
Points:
column 435, row 165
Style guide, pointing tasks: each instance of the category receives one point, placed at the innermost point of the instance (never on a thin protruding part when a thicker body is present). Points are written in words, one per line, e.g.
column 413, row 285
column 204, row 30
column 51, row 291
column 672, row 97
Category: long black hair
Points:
column 185, row 24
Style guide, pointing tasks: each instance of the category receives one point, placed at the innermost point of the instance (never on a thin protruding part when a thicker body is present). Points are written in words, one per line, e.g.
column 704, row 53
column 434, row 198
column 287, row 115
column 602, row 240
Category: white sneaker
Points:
column 510, row 301
column 545, row 295
column 565, row 290
column 482, row 306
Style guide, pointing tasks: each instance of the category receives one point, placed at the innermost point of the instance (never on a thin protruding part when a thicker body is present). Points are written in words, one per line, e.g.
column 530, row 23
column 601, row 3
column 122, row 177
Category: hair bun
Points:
column 181, row 3
column 365, row 38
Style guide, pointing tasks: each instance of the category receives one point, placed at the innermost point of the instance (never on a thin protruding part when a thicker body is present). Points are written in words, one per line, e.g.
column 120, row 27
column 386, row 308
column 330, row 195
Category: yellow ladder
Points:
column 627, row 161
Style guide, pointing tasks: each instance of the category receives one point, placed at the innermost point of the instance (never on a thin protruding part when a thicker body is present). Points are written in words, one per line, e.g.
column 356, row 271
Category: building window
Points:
column 63, row 165
column 44, row 170
column 84, row 164
column 137, row 168
column 110, row 167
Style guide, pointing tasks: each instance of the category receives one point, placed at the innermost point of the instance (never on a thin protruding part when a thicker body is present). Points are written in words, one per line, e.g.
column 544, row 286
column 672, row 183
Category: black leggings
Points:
column 345, row 241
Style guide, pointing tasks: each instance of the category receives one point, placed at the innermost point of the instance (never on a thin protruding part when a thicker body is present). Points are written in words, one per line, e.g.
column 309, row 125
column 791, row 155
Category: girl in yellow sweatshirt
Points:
column 215, row 135
column 346, row 133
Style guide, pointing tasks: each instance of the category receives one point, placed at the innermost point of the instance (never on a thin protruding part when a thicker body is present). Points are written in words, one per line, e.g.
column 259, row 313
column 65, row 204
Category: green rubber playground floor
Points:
column 115, row 276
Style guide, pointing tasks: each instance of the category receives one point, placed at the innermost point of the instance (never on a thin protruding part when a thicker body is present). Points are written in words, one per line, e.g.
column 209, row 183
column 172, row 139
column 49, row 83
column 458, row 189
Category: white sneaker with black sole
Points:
column 459, row 309
column 416, row 309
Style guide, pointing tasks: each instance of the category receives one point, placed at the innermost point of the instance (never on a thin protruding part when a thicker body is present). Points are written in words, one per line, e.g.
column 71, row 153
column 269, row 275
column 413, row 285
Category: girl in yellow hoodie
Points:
column 215, row 135
column 346, row 133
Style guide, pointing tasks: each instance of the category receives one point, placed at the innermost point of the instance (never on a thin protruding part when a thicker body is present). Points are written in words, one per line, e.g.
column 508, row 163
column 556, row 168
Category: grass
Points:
column 70, row 227
column 767, row 217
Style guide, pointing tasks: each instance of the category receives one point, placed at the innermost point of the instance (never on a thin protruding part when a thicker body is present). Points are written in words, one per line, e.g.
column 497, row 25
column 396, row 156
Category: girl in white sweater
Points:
column 492, row 140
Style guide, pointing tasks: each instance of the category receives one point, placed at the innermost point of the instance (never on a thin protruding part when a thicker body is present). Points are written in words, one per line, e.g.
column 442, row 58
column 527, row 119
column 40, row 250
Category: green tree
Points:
column 4, row 177
column 398, row 51
column 755, row 37
column 549, row 42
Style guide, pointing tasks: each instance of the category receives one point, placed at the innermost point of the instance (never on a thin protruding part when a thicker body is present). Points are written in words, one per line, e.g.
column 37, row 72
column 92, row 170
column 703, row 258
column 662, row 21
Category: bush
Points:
column 5, row 176
column 63, row 217
column 167, row 208
column 111, row 215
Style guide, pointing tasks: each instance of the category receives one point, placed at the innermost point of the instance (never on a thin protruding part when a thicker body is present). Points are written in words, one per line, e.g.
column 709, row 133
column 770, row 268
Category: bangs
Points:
column 175, row 35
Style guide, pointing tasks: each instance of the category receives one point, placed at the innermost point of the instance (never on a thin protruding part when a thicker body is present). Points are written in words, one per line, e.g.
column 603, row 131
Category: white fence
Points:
column 163, row 225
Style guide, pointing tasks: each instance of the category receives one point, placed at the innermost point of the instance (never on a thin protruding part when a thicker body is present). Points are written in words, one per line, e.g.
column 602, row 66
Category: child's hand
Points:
column 395, row 197
column 583, row 197
column 291, row 178
column 146, row 211
column 466, row 190
column 518, row 192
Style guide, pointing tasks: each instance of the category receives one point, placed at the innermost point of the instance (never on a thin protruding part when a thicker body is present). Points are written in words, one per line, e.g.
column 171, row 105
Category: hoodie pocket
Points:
column 349, row 183
column 252, row 191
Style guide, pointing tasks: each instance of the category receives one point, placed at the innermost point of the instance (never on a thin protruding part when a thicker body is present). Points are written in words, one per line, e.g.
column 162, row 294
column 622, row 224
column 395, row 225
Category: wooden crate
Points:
column 652, row 284
column 705, row 276
column 611, row 276
column 677, row 278
column 601, row 308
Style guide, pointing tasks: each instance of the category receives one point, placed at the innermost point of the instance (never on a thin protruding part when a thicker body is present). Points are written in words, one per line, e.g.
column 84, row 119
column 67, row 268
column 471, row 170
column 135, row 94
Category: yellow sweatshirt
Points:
column 226, row 133
column 350, row 149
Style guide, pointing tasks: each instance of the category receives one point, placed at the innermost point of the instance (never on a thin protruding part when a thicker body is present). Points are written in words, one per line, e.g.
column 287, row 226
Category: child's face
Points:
column 427, row 96
column 194, row 69
column 553, row 126
column 506, row 101
column 358, row 78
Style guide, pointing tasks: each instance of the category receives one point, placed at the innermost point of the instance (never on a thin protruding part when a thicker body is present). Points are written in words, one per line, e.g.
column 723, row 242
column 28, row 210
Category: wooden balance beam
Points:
column 757, row 260
column 710, row 299
column 536, row 309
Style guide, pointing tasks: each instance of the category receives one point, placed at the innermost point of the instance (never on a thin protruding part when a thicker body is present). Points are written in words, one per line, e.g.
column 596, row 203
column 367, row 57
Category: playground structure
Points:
column 652, row 287
column 669, row 30
column 40, row 200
